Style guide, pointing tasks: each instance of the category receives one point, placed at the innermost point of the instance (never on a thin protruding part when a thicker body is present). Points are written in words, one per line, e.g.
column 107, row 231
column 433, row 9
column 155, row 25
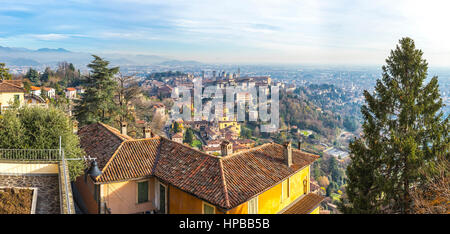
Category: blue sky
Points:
column 233, row 31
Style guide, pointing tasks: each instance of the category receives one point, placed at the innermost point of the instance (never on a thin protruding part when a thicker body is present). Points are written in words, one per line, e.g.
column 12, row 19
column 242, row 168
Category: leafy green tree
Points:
column 246, row 133
column 26, row 86
column 40, row 128
column 33, row 76
column 404, row 131
column 4, row 72
column 97, row 103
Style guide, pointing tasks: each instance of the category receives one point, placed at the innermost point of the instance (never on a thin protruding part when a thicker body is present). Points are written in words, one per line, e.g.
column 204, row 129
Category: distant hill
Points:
column 181, row 63
column 60, row 50
column 20, row 61
column 14, row 56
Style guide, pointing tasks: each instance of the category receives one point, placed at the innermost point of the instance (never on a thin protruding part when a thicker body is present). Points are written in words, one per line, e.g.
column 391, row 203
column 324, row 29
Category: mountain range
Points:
column 14, row 56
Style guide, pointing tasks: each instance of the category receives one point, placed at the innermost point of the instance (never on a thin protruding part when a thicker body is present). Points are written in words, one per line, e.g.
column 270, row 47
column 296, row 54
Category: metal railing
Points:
column 30, row 154
column 66, row 190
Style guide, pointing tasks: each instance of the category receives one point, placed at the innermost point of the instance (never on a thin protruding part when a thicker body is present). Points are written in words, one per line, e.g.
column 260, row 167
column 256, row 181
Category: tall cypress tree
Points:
column 97, row 103
column 403, row 131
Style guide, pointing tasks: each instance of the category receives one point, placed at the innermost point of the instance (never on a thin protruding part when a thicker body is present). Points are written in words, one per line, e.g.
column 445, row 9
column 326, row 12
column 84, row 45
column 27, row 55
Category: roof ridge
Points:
column 115, row 132
column 190, row 148
column 249, row 150
column 110, row 160
column 144, row 139
column 11, row 84
column 224, row 182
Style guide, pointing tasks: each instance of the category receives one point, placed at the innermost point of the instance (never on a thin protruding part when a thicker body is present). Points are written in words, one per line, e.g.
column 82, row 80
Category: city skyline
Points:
column 308, row 32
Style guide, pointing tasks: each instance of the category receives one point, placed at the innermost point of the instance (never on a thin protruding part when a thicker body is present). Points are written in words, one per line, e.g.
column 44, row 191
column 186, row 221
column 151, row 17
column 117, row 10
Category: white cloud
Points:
column 50, row 36
column 282, row 30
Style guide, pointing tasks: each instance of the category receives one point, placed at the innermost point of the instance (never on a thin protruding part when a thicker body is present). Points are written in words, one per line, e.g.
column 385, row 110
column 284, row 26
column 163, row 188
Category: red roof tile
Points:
column 100, row 141
column 10, row 87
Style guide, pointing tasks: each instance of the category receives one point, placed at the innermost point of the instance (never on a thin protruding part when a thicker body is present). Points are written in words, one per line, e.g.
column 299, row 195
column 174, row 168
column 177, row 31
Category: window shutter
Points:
column 142, row 191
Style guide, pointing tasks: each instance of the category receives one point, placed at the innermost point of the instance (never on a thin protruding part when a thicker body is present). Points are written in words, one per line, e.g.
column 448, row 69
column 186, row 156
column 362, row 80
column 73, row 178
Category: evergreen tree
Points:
column 404, row 131
column 97, row 103
column 33, row 76
column 46, row 75
column 176, row 127
column 189, row 137
column 4, row 72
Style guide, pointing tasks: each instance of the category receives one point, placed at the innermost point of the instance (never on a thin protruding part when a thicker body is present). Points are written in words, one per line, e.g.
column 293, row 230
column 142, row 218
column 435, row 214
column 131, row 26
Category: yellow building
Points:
column 11, row 91
column 157, row 175
column 233, row 125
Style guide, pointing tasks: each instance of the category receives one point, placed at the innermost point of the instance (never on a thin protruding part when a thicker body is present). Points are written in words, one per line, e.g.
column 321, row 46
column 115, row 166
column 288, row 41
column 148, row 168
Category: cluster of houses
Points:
column 70, row 93
column 13, row 91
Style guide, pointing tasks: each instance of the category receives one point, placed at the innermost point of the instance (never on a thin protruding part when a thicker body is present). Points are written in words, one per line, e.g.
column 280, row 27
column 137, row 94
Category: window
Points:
column 305, row 185
column 142, row 191
column 162, row 198
column 253, row 206
column 208, row 209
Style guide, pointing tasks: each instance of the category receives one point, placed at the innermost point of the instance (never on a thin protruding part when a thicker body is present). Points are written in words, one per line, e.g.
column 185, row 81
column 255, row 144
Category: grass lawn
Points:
column 305, row 132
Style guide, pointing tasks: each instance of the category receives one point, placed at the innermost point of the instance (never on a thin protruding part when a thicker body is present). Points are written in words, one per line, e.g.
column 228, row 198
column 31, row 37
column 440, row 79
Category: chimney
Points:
column 75, row 127
column 123, row 128
column 147, row 132
column 300, row 141
column 227, row 148
column 287, row 153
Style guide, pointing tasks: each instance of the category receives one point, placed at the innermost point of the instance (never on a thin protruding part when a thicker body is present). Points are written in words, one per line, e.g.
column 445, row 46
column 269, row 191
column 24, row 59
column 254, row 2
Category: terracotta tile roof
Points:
column 99, row 143
column 35, row 88
column 10, row 87
column 71, row 89
column 251, row 172
column 304, row 205
column 47, row 88
column 222, row 181
column 14, row 82
column 192, row 171
column 133, row 159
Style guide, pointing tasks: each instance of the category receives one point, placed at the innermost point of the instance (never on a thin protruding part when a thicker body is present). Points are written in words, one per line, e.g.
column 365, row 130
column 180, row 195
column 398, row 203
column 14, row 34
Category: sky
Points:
column 232, row 31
